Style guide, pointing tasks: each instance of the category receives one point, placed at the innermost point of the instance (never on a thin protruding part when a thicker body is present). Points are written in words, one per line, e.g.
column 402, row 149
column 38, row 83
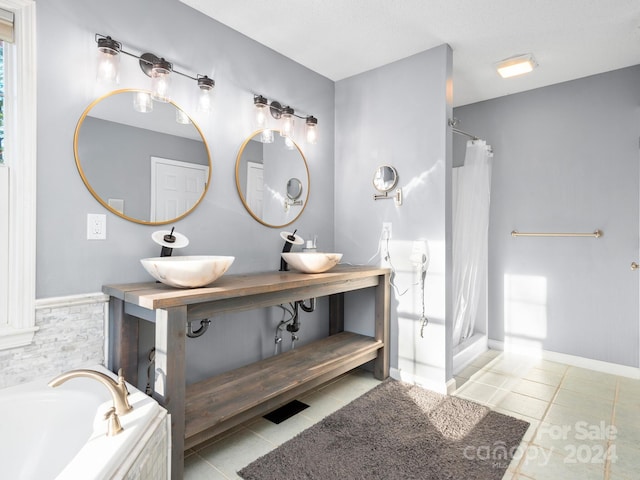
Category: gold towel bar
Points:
column 596, row 234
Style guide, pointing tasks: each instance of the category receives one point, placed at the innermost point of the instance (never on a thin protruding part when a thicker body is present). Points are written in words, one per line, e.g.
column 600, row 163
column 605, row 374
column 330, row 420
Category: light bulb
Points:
column 288, row 143
column 206, row 93
column 260, row 111
column 287, row 122
column 108, row 61
column 182, row 118
column 204, row 101
column 161, row 80
column 266, row 136
column 311, row 130
column 142, row 102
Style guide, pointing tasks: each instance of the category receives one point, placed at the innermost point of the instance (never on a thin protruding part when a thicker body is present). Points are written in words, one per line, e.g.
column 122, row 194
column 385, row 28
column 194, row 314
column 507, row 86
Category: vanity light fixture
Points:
column 182, row 118
column 160, row 74
column 206, row 93
column 286, row 115
column 288, row 143
column 311, row 129
column 267, row 136
column 518, row 65
column 142, row 102
column 157, row 68
column 261, row 106
column 287, row 121
column 108, row 60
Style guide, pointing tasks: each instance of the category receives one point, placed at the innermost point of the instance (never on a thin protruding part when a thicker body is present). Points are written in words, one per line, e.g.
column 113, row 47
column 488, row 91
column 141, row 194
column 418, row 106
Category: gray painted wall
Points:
column 67, row 263
column 197, row 44
column 562, row 155
column 566, row 159
column 397, row 115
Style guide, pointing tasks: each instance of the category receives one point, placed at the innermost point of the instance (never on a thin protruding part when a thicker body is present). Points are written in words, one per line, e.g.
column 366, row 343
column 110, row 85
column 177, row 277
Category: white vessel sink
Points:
column 189, row 271
column 312, row 262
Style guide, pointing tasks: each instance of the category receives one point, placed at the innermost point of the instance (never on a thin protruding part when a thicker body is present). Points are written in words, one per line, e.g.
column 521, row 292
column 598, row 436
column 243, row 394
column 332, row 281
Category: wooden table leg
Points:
column 383, row 304
column 170, row 378
column 123, row 341
column 336, row 313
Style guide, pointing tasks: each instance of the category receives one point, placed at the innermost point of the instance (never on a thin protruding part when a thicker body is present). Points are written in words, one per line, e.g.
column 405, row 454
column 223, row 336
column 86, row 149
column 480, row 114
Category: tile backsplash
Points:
column 71, row 334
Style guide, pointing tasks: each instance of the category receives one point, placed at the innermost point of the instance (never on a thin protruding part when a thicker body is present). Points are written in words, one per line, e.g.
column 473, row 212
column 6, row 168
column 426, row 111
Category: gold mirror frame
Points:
column 239, row 187
column 99, row 198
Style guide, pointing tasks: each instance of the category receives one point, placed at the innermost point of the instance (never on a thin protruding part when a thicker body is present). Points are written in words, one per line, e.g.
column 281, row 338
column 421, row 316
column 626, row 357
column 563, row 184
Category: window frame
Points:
column 18, row 187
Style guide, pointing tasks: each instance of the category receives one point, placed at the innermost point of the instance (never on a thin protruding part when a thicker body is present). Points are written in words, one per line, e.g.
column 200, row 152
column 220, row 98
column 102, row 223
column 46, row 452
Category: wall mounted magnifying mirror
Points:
column 385, row 179
column 294, row 188
column 147, row 166
column 272, row 177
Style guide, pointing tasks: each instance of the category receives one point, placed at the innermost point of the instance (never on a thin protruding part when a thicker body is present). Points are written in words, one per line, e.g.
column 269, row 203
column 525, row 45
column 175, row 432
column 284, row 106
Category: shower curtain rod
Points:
column 460, row 132
column 453, row 122
column 472, row 137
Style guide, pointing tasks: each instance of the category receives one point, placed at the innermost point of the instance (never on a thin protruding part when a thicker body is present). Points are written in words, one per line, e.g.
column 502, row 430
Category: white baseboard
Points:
column 467, row 352
column 582, row 362
column 436, row 386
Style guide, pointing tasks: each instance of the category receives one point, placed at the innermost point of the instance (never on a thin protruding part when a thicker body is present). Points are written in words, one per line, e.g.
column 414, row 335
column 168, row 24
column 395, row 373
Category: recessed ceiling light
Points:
column 518, row 65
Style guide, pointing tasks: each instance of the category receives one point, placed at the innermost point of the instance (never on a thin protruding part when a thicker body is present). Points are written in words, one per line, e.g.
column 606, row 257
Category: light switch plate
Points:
column 96, row 226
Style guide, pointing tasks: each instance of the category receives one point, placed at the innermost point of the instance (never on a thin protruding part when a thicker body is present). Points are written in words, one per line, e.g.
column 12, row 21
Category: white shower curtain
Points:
column 470, row 232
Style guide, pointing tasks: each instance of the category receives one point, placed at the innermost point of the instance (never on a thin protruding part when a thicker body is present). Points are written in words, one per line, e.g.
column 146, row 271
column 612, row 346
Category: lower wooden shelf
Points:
column 229, row 399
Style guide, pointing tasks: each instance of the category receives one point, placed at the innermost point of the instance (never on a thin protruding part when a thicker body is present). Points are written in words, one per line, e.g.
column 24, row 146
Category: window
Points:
column 17, row 173
column 1, row 102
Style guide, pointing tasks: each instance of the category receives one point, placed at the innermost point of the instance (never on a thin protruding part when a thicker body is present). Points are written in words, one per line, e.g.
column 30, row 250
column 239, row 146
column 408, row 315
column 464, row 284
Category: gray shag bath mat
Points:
column 398, row 431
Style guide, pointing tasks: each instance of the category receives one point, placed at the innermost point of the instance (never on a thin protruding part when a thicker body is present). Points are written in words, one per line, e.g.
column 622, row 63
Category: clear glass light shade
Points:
column 311, row 133
column 160, row 84
column 108, row 66
column 266, row 136
column 287, row 123
column 205, row 100
column 260, row 116
column 182, row 118
column 288, row 143
column 142, row 102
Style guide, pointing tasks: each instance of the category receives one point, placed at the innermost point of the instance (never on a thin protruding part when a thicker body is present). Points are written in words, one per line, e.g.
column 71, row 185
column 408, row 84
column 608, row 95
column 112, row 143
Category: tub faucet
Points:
column 118, row 389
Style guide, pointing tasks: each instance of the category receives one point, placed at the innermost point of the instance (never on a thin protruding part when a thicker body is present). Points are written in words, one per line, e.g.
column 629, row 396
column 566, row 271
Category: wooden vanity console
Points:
column 207, row 408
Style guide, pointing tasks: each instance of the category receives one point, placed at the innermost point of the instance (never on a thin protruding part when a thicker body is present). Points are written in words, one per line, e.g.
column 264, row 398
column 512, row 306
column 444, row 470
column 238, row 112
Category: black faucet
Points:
column 284, row 266
column 169, row 238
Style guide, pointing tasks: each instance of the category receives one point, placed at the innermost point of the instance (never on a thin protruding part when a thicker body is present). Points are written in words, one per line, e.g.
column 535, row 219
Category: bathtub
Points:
column 60, row 433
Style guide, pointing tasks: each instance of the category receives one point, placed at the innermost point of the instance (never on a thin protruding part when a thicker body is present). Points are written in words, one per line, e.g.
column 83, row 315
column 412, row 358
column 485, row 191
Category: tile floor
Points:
column 584, row 424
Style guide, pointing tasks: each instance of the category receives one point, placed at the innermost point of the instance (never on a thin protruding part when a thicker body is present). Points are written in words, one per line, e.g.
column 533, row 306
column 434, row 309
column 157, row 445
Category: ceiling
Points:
column 340, row 38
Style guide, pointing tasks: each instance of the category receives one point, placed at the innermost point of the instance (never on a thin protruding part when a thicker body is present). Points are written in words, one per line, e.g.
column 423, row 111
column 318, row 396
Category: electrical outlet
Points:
column 96, row 226
column 386, row 230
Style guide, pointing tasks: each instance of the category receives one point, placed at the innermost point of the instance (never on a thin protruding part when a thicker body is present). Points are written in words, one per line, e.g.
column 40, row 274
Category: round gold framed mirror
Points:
column 151, row 167
column 270, row 170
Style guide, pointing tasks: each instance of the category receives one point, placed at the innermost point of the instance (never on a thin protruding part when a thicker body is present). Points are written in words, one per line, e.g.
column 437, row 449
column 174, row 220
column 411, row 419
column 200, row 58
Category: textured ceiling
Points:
column 340, row 38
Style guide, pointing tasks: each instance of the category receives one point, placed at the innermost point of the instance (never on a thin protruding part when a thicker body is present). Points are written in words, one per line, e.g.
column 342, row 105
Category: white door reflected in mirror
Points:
column 175, row 187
